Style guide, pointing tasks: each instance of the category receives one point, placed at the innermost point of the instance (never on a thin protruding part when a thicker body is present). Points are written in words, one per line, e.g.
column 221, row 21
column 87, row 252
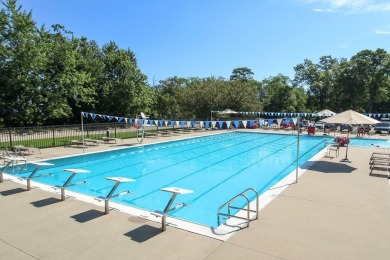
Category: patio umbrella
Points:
column 326, row 112
column 349, row 117
column 226, row 111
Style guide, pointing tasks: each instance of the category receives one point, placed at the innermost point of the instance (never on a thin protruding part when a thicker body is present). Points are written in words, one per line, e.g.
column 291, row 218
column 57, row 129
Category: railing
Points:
column 247, row 209
column 50, row 136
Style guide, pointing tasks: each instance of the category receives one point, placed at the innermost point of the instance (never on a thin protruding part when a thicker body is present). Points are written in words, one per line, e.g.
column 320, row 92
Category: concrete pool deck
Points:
column 335, row 211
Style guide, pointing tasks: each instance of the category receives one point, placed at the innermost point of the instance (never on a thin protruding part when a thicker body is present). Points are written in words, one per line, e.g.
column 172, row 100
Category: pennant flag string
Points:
column 278, row 116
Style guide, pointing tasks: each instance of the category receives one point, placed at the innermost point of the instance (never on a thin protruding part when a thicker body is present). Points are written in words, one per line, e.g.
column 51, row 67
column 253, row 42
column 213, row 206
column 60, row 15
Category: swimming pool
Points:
column 384, row 143
column 215, row 167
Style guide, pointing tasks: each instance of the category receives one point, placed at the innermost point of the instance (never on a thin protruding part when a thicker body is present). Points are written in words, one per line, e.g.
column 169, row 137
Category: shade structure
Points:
column 326, row 112
column 349, row 117
column 227, row 111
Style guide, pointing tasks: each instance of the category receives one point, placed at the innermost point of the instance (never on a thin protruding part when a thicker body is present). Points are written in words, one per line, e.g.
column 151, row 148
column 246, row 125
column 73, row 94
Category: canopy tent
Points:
column 349, row 117
column 227, row 111
column 326, row 112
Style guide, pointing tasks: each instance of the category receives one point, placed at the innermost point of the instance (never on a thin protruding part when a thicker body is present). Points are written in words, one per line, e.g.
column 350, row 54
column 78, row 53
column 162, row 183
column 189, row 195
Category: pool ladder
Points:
column 245, row 208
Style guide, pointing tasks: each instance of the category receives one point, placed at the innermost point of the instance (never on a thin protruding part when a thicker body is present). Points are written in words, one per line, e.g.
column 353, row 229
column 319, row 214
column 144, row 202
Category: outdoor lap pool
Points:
column 216, row 168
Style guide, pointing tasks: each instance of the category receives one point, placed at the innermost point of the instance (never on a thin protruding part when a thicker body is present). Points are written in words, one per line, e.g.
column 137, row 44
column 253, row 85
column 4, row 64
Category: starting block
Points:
column 163, row 214
column 67, row 183
column 118, row 181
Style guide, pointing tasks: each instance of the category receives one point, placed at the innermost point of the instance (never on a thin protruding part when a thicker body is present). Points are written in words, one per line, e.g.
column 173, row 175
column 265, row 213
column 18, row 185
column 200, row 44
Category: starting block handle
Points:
column 32, row 175
column 175, row 191
column 67, row 183
column 110, row 195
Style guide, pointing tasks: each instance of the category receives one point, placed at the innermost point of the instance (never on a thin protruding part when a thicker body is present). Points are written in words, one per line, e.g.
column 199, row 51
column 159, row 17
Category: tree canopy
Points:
column 48, row 76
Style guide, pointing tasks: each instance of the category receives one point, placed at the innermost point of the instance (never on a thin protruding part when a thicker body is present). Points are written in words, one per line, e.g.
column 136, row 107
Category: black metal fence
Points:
column 50, row 136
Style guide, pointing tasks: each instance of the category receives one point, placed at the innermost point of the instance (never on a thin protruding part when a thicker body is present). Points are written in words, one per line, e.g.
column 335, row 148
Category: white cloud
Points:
column 360, row 6
column 382, row 32
column 323, row 10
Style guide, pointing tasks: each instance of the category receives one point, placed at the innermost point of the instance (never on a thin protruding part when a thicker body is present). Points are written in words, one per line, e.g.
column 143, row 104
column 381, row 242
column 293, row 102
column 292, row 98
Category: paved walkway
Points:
column 336, row 211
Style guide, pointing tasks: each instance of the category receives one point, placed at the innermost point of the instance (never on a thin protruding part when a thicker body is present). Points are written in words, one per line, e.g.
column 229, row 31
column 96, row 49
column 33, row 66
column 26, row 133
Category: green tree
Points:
column 123, row 89
column 19, row 59
column 281, row 96
column 319, row 80
column 348, row 93
column 242, row 74
column 68, row 85
column 168, row 97
column 371, row 69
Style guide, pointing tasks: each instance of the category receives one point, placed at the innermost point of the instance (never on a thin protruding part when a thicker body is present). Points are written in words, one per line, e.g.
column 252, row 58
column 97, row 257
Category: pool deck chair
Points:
column 311, row 130
column 163, row 214
column 33, row 174
column 67, row 183
column 107, row 140
column 91, row 142
column 23, row 150
column 333, row 147
column 77, row 143
column 380, row 162
column 118, row 181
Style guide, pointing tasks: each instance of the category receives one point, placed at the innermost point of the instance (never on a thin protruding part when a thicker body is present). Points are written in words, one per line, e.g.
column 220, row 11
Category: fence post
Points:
column 54, row 138
column 115, row 130
column 10, row 136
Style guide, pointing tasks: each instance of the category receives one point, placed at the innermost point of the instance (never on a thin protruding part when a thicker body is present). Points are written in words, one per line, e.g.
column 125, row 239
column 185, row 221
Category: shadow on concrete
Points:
column 143, row 233
column 331, row 167
column 385, row 175
column 88, row 215
column 126, row 145
column 45, row 202
column 12, row 192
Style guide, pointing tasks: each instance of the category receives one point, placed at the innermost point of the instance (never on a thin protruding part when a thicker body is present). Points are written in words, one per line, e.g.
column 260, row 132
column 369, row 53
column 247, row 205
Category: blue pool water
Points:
column 215, row 167
column 370, row 142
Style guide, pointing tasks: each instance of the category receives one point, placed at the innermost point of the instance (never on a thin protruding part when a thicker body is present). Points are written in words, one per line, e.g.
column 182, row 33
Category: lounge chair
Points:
column 91, row 142
column 147, row 134
column 198, row 129
column 23, row 150
column 77, row 143
column 380, row 162
column 107, row 140
column 164, row 132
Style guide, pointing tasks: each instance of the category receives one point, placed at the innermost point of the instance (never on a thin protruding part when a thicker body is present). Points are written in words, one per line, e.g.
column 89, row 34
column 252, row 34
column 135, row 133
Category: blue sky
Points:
column 202, row 38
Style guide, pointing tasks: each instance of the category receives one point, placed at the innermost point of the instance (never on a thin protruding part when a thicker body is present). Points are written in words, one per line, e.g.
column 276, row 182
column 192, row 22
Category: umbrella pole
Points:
column 297, row 161
column 346, row 152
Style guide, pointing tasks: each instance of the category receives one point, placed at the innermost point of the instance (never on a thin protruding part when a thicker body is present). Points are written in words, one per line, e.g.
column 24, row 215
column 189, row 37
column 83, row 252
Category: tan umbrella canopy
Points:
column 349, row 117
column 326, row 112
column 227, row 111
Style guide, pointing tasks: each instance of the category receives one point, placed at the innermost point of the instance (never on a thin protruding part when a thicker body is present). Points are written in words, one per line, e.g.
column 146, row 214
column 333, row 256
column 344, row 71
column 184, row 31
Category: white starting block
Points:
column 163, row 214
column 67, row 183
column 118, row 181
column 11, row 162
column 32, row 175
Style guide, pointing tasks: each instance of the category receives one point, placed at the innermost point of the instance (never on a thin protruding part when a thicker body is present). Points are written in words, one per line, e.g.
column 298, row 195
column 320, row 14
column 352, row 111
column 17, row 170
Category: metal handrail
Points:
column 18, row 152
column 248, row 210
